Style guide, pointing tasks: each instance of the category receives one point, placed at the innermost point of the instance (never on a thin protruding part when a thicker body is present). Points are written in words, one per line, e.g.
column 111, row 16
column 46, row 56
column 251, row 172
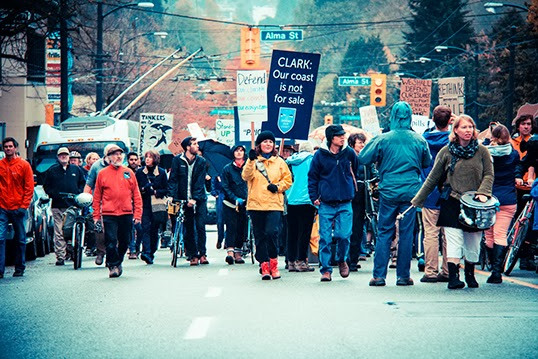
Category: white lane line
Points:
column 198, row 328
column 213, row 292
column 223, row 271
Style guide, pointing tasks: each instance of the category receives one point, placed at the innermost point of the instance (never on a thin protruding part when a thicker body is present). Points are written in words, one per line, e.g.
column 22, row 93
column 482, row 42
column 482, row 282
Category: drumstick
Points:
column 401, row 215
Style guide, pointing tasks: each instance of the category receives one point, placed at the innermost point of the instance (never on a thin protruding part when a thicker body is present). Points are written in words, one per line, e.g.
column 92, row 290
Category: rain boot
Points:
column 454, row 281
column 496, row 264
column 266, row 274
column 469, row 275
column 273, row 263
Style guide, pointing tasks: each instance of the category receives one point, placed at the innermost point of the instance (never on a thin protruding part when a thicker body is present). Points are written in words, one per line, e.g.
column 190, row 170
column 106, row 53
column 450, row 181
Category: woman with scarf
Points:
column 153, row 185
column 268, row 177
column 462, row 165
column 234, row 211
column 505, row 159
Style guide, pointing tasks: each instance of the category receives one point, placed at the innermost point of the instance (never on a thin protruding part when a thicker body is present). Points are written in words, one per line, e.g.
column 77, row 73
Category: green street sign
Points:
column 354, row 81
column 350, row 118
column 221, row 111
column 281, row 35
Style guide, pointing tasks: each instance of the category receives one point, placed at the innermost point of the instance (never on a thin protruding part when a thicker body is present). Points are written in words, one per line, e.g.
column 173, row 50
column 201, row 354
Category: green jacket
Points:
column 400, row 155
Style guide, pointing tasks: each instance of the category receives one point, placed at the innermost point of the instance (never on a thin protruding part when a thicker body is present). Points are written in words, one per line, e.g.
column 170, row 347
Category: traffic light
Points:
column 328, row 119
column 378, row 90
column 250, row 48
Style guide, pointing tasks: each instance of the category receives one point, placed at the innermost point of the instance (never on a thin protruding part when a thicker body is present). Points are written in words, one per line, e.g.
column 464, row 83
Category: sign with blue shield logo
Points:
column 286, row 119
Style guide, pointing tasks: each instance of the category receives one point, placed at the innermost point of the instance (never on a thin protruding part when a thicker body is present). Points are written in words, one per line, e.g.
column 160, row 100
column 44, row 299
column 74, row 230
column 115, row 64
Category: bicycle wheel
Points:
column 483, row 256
column 175, row 246
column 78, row 240
column 513, row 251
column 181, row 247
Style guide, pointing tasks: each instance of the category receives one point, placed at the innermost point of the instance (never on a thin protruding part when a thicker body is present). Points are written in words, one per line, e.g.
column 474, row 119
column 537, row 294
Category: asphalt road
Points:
column 222, row 311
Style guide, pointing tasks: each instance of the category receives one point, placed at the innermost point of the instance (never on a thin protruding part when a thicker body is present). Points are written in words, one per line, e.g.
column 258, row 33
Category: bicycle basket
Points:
column 173, row 208
column 475, row 214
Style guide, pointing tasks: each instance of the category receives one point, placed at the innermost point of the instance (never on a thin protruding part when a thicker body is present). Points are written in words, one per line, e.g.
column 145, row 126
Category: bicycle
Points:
column 370, row 210
column 248, row 243
column 178, row 245
column 483, row 257
column 75, row 215
column 517, row 235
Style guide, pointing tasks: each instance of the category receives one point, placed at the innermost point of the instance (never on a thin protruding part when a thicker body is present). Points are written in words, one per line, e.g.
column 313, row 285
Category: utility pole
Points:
column 99, row 60
column 64, row 76
column 476, row 69
column 511, row 81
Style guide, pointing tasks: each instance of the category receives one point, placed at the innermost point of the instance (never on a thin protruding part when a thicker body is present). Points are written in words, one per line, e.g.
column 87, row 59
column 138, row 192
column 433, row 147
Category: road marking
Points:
column 512, row 280
column 198, row 328
column 213, row 292
column 223, row 271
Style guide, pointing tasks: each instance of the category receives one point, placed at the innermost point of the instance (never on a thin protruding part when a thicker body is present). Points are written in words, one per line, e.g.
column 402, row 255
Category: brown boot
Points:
column 266, row 274
column 273, row 263
column 238, row 258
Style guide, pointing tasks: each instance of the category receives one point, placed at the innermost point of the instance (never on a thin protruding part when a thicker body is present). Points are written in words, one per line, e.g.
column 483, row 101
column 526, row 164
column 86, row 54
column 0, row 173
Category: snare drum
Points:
column 475, row 214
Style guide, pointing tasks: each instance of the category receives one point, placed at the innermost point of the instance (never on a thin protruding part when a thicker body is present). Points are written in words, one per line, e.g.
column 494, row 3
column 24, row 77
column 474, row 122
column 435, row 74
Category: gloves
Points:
column 252, row 155
column 272, row 187
column 147, row 187
column 240, row 202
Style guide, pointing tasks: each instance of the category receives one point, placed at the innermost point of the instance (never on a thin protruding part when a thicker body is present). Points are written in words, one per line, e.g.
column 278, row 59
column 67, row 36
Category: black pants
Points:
column 236, row 226
column 300, row 221
column 118, row 232
column 266, row 226
column 195, row 237
column 356, row 231
column 150, row 233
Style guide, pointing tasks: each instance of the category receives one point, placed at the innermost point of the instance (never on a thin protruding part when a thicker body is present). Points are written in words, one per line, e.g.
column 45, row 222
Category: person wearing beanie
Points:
column 189, row 182
column 331, row 186
column 400, row 155
column 235, row 192
column 267, row 177
column 301, row 212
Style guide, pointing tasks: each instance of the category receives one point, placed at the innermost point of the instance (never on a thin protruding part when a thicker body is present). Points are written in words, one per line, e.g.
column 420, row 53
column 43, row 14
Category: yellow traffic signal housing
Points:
column 250, row 48
column 378, row 90
column 328, row 119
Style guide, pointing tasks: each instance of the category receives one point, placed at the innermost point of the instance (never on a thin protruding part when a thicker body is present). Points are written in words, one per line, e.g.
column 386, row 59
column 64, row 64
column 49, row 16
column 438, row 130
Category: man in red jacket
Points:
column 16, row 191
column 117, row 200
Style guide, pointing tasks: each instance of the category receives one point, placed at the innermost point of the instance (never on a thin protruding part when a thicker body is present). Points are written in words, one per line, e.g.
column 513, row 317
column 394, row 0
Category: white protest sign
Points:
column 196, row 131
column 155, row 132
column 252, row 95
column 244, row 130
column 225, row 131
column 369, row 120
column 452, row 94
column 420, row 123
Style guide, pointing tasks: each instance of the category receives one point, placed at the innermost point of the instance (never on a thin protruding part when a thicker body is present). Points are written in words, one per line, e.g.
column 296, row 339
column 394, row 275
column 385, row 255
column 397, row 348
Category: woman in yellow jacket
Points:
column 267, row 177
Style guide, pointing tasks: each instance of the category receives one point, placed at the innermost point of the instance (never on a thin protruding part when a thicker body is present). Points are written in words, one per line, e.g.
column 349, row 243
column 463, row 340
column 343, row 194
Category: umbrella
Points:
column 318, row 134
column 526, row 109
column 217, row 155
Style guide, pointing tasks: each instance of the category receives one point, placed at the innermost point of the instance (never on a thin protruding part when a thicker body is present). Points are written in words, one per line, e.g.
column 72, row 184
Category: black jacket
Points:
column 178, row 181
column 149, row 182
column 70, row 180
column 233, row 184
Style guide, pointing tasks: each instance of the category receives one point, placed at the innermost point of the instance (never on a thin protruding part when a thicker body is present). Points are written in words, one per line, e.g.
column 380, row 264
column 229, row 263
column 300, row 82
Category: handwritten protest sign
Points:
column 252, row 95
column 225, row 131
column 420, row 123
column 290, row 93
column 452, row 94
column 417, row 93
column 155, row 132
column 369, row 120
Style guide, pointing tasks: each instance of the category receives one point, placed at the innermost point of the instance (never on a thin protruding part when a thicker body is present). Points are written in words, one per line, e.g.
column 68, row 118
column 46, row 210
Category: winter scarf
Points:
column 458, row 151
column 500, row 150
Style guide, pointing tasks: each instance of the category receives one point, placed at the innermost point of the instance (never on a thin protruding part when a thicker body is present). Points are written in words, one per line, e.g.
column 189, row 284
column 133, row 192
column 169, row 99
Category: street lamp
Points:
column 492, row 6
column 161, row 34
column 99, row 54
column 440, row 48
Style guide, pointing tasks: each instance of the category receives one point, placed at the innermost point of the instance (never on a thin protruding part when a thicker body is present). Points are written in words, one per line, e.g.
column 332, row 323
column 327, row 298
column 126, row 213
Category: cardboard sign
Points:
column 369, row 120
column 252, row 95
column 417, row 93
column 420, row 123
column 196, row 131
column 155, row 132
column 452, row 94
column 290, row 93
column 225, row 131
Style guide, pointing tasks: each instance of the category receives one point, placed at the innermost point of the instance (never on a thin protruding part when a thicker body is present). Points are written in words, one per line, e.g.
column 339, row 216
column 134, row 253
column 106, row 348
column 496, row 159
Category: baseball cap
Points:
column 63, row 150
column 110, row 149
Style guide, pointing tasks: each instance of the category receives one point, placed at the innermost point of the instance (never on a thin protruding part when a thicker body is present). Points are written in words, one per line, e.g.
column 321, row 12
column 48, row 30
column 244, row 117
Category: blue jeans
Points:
column 341, row 215
column 388, row 210
column 17, row 218
column 219, row 204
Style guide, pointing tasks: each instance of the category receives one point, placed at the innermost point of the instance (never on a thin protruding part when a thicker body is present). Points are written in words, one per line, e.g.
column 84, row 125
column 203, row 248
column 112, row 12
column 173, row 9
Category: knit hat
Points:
column 186, row 142
column 265, row 135
column 234, row 148
column 333, row 130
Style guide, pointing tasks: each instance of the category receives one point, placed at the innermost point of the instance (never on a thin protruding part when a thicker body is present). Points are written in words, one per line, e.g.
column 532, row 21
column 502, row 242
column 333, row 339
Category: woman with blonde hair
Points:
column 462, row 165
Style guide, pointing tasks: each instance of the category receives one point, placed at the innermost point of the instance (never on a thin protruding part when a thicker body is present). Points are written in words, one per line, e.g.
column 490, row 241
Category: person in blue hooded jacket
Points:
column 331, row 186
column 301, row 212
column 437, row 139
column 400, row 155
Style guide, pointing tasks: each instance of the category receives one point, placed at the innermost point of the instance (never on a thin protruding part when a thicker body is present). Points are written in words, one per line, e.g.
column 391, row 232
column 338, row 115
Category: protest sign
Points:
column 196, row 131
column 452, row 94
column 252, row 95
column 417, row 93
column 369, row 120
column 420, row 123
column 290, row 93
column 155, row 132
column 225, row 131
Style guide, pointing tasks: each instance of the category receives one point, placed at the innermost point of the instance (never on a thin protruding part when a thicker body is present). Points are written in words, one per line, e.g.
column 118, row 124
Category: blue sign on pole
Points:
column 290, row 93
column 281, row 35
